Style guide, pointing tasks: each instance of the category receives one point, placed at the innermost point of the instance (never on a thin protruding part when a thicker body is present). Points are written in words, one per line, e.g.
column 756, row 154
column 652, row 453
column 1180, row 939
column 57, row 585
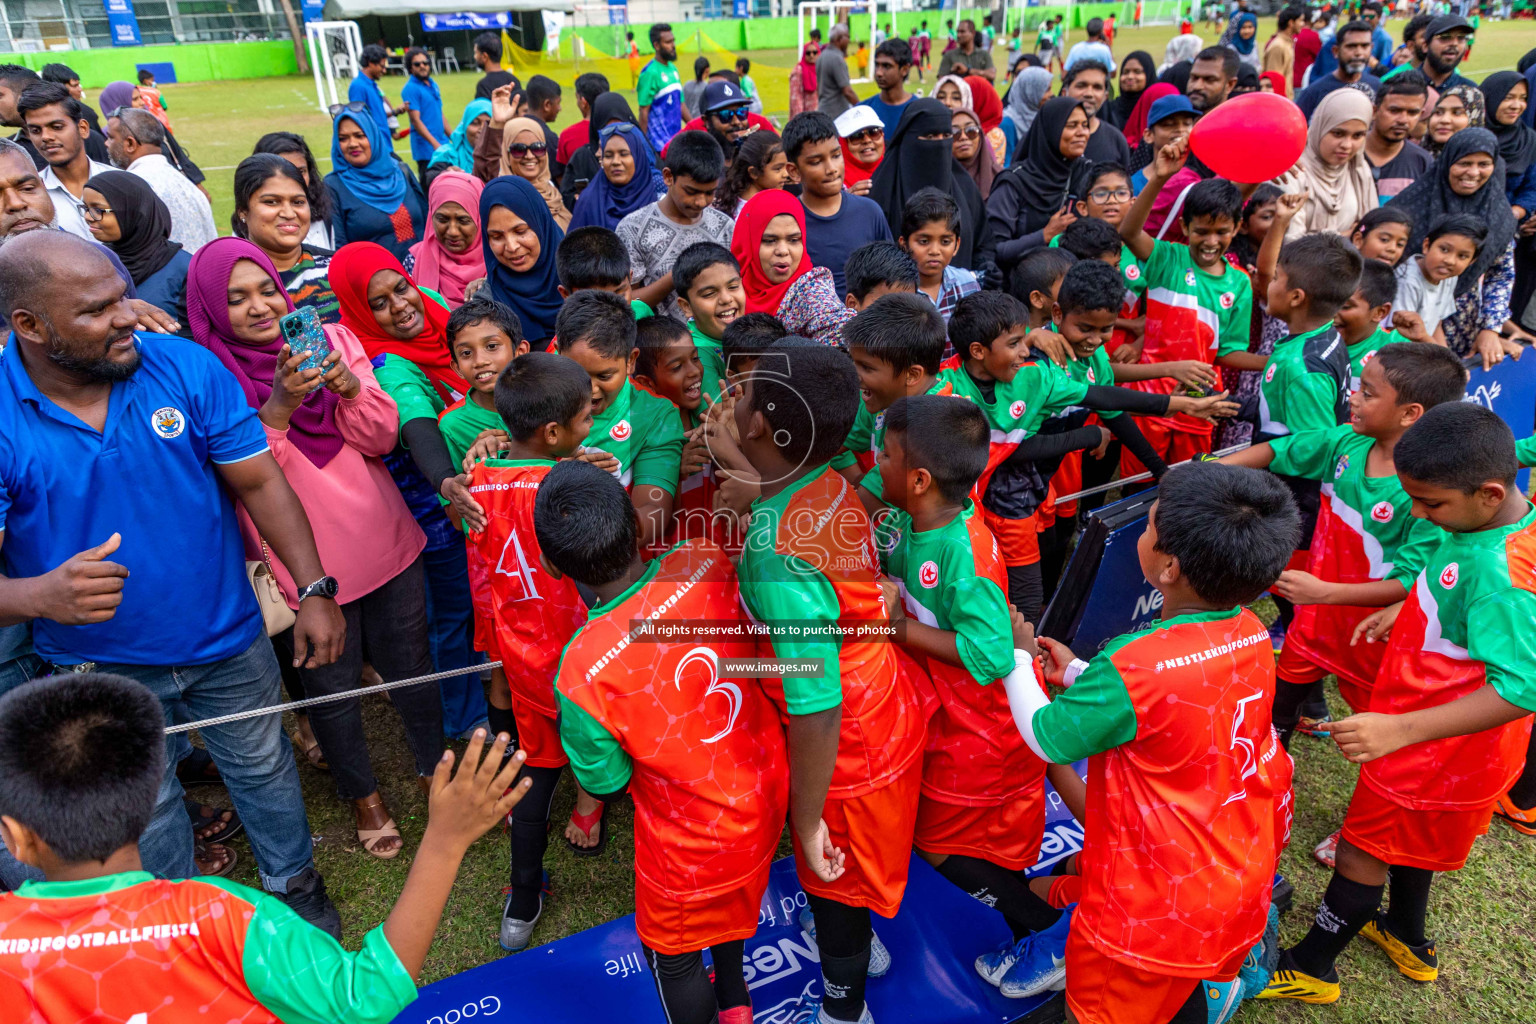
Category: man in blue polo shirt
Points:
column 365, row 87
column 121, row 547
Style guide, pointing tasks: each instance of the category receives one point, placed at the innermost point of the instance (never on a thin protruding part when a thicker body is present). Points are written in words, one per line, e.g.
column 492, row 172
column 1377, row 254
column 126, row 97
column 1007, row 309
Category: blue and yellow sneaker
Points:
column 1416, row 962
column 1290, row 983
column 1040, row 962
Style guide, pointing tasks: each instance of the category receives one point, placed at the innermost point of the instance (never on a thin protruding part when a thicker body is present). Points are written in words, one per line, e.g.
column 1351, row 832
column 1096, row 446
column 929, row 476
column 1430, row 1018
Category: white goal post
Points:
column 334, row 50
column 817, row 9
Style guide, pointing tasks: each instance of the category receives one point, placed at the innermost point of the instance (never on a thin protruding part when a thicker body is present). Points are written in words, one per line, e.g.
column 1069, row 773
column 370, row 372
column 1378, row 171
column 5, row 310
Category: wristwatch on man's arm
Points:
column 325, row 586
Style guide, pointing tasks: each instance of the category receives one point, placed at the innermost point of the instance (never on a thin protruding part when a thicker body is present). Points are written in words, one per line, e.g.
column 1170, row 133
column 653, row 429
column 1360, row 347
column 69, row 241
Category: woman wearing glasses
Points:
column 126, row 216
column 973, row 151
column 376, row 197
column 520, row 149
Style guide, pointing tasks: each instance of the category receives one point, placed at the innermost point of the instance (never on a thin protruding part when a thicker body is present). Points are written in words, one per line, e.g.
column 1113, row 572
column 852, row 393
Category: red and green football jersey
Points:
column 462, row 422
column 867, row 437
column 1466, row 624
column 1188, row 790
column 952, row 578
column 643, row 431
column 1305, row 384
column 1365, row 532
column 1191, row 314
column 133, row 949
column 1362, row 352
column 703, row 756
column 809, row 573
column 530, row 613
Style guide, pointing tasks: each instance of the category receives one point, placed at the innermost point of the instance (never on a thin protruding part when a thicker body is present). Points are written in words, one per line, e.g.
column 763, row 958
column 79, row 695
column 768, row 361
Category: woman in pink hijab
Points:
column 450, row 256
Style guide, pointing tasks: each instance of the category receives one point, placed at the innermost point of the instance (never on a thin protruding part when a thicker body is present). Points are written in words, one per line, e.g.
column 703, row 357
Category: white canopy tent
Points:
column 341, row 9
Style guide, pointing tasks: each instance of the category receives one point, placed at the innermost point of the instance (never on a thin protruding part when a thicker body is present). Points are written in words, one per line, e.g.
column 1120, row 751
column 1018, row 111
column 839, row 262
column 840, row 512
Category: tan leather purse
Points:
column 275, row 613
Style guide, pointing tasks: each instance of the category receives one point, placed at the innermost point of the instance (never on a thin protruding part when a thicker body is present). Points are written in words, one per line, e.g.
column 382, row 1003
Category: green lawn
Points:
column 219, row 121
column 1481, row 916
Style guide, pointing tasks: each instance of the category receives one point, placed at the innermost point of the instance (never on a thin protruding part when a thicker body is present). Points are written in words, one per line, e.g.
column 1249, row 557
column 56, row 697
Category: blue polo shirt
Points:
column 150, row 475
column 426, row 100
column 365, row 90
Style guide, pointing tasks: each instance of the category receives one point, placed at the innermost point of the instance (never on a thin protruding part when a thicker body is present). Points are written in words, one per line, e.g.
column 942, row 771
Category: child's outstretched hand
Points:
column 463, row 805
column 1212, row 407
column 1191, row 373
column 1056, row 657
column 1288, row 206
column 485, row 447
column 826, row 861
column 1367, row 736
column 1300, row 587
column 1051, row 344
column 695, row 453
column 1376, row 625
column 1410, row 325
column 1170, row 159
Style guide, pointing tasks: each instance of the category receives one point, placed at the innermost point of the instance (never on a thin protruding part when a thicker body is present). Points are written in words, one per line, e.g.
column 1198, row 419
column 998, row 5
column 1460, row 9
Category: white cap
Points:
column 857, row 118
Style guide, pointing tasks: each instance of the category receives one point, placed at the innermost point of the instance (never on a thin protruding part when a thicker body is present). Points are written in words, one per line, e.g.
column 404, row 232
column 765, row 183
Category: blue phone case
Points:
column 303, row 333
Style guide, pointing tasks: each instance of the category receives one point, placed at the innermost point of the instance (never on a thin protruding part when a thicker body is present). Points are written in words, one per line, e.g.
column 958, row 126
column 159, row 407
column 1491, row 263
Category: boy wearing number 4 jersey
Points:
column 1188, row 790
column 703, row 756
column 1451, row 709
column 526, row 614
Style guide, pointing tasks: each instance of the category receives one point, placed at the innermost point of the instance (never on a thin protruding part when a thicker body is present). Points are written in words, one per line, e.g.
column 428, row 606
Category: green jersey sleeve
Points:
column 1505, row 643
column 860, row 434
column 1525, row 450
column 1309, row 454
column 1165, row 266
column 978, row 613
column 1410, row 559
column 1236, row 323
column 1061, row 391
column 786, row 591
column 413, row 393
column 1089, row 717
column 600, row 763
column 462, row 424
column 658, row 463
column 649, row 85
column 1311, row 402
column 304, row 976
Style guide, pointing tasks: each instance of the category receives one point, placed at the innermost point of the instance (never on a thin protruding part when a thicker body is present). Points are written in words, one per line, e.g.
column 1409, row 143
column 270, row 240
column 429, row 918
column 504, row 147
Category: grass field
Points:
column 219, row 121
column 1480, row 916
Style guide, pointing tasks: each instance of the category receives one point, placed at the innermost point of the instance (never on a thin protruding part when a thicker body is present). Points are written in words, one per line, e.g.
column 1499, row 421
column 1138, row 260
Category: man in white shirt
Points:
column 57, row 127
column 136, row 140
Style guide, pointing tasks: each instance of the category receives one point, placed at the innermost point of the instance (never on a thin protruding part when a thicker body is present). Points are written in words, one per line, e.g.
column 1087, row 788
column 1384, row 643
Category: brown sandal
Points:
column 305, row 742
column 372, row 837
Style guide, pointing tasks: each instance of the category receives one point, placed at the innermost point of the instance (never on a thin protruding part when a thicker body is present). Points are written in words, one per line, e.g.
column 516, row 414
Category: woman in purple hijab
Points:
column 330, row 429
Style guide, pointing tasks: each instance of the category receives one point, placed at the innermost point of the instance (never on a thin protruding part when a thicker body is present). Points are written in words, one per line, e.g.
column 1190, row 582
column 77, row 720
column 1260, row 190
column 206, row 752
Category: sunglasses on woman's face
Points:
column 866, row 135
column 733, row 113
column 970, row 131
column 518, row 150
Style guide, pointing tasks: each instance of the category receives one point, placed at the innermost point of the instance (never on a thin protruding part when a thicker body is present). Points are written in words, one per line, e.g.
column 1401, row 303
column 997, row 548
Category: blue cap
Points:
column 1167, row 106
column 721, row 93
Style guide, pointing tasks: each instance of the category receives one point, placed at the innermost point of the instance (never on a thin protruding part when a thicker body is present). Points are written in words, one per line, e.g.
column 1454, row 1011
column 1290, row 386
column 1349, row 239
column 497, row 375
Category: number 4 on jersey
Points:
column 522, row 571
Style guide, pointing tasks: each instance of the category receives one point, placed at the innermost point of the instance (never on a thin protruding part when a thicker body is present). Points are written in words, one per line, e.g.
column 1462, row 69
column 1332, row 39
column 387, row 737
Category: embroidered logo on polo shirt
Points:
column 620, row 430
column 1016, row 409
column 928, row 575
column 1227, row 298
column 168, row 422
column 1132, row 272
column 1383, row 512
column 1448, row 575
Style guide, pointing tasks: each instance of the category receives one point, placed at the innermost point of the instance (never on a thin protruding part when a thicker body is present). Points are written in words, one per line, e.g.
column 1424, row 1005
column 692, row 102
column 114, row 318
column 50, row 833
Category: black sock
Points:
column 1346, row 908
column 502, row 720
column 681, row 982
column 1408, row 902
column 730, row 976
column 1194, row 1010
column 1316, row 704
column 842, row 936
column 1287, row 709
column 1523, row 793
column 1003, row 890
column 529, row 838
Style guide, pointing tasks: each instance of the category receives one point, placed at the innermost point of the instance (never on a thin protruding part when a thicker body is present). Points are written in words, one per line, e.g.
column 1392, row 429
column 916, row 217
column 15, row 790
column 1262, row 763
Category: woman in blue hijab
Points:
column 459, row 150
column 519, row 238
column 630, row 179
column 376, row 196
column 1243, row 35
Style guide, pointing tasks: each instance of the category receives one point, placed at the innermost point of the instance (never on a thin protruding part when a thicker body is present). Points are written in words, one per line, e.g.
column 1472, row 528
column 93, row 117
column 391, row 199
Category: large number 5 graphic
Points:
column 1245, row 746
column 716, row 685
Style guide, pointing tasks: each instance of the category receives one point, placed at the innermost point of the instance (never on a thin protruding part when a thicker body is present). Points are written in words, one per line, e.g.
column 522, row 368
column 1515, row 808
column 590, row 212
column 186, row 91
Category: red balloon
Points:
column 1253, row 137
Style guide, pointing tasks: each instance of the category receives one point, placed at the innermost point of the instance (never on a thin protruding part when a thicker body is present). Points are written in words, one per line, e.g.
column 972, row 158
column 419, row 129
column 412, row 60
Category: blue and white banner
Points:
column 122, row 22
column 465, row 20
column 313, row 10
column 1509, row 389
column 600, row 974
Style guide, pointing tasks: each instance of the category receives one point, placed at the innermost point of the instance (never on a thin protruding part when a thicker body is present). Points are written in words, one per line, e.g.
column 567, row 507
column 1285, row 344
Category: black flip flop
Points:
column 602, row 836
column 201, row 820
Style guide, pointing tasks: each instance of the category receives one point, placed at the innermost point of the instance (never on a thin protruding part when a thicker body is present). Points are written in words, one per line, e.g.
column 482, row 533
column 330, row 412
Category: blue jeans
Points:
column 254, row 759
column 450, row 619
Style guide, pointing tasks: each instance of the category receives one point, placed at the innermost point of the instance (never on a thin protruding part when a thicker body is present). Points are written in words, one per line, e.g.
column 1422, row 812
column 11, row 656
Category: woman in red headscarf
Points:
column 776, row 271
column 989, row 110
column 802, row 81
column 1275, row 80
column 403, row 328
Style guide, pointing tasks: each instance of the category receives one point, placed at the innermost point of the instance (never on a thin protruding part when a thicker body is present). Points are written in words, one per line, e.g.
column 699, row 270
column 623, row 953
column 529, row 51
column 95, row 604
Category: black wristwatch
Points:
column 325, row 586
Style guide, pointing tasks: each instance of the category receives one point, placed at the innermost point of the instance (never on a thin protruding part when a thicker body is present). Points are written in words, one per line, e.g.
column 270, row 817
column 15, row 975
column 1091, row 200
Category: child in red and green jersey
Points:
column 709, row 293
column 702, row 754
column 1188, row 802
column 1199, row 306
column 101, row 939
column 982, row 812
column 1367, row 547
column 639, row 430
column 596, row 257
column 523, row 614
column 857, row 728
column 483, row 337
column 896, row 344
column 1359, row 320
column 1105, row 197
column 989, row 331
column 877, row 269
column 1450, row 714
